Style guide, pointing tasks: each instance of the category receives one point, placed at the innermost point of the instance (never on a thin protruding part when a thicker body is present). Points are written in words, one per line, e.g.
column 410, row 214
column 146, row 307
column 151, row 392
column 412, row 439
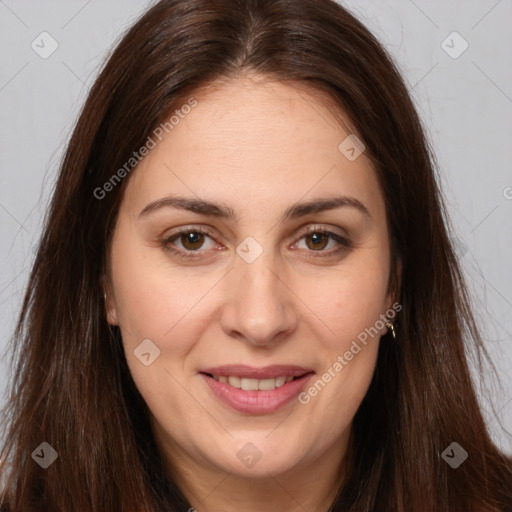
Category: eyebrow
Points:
column 223, row 211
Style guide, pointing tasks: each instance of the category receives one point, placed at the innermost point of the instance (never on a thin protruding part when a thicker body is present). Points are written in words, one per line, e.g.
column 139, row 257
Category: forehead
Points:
column 249, row 115
column 253, row 140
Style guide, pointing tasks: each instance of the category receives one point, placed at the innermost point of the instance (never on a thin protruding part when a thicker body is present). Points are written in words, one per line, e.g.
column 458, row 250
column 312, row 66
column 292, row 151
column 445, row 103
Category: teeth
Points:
column 253, row 384
column 280, row 381
column 267, row 384
column 249, row 384
column 234, row 381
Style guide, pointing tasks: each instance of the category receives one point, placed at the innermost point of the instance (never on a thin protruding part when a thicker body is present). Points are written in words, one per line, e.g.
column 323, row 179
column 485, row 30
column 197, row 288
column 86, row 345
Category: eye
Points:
column 317, row 240
column 191, row 240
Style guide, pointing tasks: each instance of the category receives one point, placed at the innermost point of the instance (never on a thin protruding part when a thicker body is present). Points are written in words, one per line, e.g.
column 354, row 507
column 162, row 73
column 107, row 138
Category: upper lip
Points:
column 264, row 372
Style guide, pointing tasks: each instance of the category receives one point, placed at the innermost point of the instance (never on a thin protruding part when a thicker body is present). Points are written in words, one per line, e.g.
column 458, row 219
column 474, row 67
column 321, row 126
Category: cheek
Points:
column 152, row 298
column 350, row 306
column 350, row 301
column 153, row 305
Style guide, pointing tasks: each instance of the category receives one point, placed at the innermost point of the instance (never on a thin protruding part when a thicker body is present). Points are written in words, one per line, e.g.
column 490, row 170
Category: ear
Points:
column 110, row 309
column 393, row 295
column 109, row 302
column 395, row 285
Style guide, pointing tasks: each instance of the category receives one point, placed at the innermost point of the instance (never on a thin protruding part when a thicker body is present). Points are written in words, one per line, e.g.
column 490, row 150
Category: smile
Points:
column 256, row 390
column 253, row 384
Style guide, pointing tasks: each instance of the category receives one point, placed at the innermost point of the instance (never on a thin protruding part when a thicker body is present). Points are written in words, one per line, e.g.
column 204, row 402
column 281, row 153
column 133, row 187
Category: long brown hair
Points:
column 72, row 388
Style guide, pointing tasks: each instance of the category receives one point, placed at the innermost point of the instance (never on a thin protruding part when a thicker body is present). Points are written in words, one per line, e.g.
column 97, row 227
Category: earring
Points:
column 391, row 326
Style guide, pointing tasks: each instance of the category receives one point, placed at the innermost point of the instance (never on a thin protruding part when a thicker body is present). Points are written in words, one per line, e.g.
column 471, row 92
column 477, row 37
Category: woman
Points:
column 245, row 295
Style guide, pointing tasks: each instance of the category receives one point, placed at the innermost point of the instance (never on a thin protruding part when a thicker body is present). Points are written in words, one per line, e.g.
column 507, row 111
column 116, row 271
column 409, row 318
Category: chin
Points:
column 257, row 456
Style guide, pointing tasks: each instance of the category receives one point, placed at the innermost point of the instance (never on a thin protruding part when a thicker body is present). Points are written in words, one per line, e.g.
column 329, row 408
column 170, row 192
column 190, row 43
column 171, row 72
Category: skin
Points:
column 257, row 146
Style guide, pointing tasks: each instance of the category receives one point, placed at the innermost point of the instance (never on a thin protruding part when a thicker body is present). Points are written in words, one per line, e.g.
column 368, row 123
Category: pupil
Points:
column 318, row 240
column 192, row 240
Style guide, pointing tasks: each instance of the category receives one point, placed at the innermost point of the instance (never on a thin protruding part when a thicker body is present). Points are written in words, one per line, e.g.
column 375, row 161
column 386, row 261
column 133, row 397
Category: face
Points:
column 269, row 272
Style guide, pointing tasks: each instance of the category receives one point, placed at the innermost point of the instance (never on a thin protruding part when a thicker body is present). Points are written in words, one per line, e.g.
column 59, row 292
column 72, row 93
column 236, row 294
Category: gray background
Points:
column 465, row 102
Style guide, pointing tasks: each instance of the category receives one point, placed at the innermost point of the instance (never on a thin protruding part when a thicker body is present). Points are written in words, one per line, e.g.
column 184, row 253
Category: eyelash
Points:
column 166, row 243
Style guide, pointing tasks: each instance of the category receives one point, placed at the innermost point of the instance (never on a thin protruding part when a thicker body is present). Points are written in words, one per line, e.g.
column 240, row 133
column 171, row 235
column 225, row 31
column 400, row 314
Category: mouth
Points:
column 256, row 390
column 248, row 384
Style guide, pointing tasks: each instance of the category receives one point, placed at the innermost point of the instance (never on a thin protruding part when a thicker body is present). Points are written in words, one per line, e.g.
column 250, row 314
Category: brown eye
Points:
column 192, row 240
column 318, row 240
column 188, row 243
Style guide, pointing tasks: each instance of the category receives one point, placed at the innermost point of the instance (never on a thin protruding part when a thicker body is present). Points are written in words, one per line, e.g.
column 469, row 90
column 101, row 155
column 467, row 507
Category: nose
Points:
column 259, row 306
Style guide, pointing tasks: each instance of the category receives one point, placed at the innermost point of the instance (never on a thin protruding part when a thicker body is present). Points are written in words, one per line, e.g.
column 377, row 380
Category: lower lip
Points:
column 257, row 402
